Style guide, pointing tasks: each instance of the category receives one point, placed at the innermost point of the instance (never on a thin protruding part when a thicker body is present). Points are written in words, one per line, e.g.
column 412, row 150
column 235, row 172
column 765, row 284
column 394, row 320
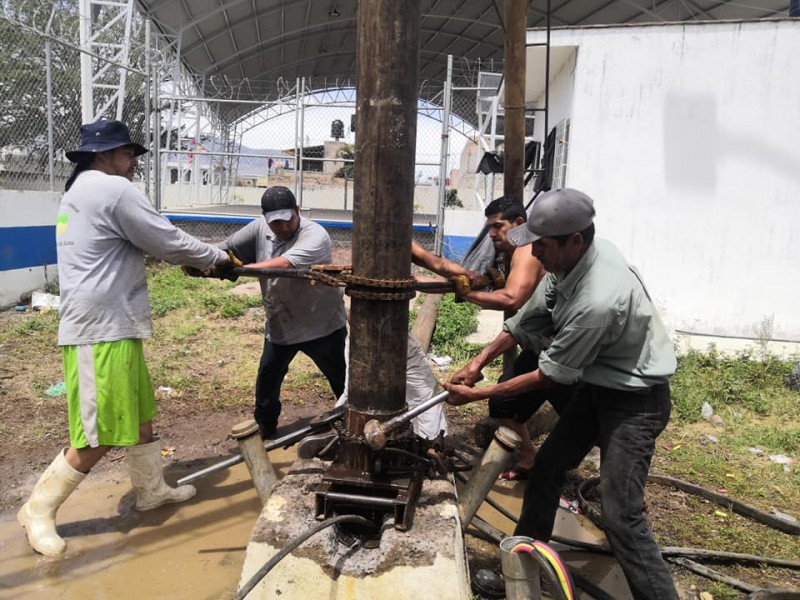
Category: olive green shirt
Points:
column 596, row 324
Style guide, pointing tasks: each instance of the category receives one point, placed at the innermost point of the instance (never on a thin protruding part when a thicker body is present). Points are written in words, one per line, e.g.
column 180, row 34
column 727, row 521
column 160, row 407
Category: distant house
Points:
column 213, row 163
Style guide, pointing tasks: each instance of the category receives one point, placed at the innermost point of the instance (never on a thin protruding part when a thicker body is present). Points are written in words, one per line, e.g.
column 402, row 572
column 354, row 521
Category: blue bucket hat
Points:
column 103, row 136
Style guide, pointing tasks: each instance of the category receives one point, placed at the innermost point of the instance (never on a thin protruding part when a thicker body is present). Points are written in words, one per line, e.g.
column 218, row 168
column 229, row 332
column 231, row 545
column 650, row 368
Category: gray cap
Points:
column 557, row 212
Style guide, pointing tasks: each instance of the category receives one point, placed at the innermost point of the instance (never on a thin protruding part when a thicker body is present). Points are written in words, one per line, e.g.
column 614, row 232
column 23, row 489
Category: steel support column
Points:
column 388, row 66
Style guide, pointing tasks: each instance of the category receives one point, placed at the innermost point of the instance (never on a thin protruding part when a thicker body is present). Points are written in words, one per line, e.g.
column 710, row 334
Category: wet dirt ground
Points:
column 186, row 551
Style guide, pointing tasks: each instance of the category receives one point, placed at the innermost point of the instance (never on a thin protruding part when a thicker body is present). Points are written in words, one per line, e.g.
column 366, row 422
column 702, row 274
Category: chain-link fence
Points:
column 217, row 144
column 40, row 88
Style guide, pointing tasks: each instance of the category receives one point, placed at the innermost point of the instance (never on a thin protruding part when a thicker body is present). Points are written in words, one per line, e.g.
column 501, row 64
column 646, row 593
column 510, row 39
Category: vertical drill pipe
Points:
column 386, row 125
column 520, row 571
column 514, row 98
column 255, row 456
column 483, row 477
column 516, row 18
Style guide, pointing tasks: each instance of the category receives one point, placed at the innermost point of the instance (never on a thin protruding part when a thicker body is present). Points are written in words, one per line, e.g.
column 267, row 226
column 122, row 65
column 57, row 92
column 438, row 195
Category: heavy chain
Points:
column 340, row 276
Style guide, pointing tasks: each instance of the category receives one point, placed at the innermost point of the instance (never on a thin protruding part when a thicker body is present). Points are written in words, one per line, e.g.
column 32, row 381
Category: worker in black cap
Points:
column 300, row 317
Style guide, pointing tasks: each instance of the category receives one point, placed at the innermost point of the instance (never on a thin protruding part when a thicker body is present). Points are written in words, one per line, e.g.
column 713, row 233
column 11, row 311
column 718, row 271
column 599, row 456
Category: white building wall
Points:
column 686, row 137
column 27, row 224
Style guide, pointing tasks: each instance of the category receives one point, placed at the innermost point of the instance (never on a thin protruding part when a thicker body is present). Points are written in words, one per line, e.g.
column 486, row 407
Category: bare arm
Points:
column 525, row 274
column 527, row 382
column 471, row 373
column 272, row 263
column 437, row 264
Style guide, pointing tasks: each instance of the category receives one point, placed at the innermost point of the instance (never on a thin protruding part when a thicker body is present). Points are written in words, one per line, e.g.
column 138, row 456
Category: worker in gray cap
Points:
column 599, row 339
column 300, row 317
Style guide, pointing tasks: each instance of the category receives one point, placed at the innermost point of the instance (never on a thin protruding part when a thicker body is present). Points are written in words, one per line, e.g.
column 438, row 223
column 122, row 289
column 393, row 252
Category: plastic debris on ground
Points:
column 706, row 411
column 784, row 460
column 56, row 390
column 440, row 361
column 45, row 302
column 712, row 438
column 165, row 389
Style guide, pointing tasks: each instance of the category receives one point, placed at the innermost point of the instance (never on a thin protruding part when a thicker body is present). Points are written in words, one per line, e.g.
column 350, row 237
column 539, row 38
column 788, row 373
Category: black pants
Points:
column 326, row 352
column 522, row 407
column 625, row 425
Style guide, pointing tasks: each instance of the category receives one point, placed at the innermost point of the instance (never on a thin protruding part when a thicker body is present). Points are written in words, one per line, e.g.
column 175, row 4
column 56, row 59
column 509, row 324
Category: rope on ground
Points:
column 287, row 549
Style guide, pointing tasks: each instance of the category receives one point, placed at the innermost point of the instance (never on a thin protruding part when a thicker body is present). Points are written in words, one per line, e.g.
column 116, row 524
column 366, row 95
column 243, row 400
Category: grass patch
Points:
column 455, row 321
column 171, row 290
column 747, row 391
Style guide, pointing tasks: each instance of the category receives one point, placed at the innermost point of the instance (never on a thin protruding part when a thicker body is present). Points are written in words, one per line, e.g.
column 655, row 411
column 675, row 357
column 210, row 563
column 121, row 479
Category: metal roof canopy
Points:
column 238, row 42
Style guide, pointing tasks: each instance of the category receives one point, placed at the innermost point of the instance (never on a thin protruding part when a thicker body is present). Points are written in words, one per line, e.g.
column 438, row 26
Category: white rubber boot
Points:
column 38, row 514
column 147, row 476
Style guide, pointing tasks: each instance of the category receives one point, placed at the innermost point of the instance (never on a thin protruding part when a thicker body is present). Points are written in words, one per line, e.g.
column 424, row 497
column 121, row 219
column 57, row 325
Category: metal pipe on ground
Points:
column 483, row 477
column 255, row 456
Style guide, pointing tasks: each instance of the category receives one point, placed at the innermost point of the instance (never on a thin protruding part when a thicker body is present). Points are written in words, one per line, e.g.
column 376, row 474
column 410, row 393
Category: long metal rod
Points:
column 417, row 410
column 284, row 441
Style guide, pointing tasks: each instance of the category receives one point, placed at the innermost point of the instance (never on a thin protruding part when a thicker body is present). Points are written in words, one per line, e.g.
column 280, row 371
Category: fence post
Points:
column 445, row 155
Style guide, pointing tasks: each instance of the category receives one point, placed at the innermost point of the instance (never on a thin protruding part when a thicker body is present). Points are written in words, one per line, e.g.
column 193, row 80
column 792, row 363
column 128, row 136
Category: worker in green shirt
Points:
column 600, row 341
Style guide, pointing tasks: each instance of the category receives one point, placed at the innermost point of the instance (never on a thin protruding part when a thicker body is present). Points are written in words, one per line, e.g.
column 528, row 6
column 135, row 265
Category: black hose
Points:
column 710, row 573
column 731, row 504
column 287, row 549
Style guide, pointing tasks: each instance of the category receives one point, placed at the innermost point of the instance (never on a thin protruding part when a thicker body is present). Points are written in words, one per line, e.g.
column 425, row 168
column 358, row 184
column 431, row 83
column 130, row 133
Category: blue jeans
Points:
column 326, row 352
column 625, row 425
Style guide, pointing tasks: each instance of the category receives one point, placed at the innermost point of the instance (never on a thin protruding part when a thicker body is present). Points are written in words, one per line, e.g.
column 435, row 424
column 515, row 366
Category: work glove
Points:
column 461, row 284
column 224, row 270
column 193, row 271
column 497, row 276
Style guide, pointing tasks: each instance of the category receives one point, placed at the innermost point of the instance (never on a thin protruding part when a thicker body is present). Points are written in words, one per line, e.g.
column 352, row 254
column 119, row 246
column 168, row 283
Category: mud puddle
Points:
column 193, row 550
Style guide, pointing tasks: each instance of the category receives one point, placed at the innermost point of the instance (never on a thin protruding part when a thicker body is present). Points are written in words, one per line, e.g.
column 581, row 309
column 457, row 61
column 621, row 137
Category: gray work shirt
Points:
column 597, row 324
column 104, row 227
column 297, row 311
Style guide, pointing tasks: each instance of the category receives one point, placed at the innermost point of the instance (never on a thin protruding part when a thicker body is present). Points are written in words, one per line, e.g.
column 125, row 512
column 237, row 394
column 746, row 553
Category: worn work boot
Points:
column 146, row 469
column 38, row 514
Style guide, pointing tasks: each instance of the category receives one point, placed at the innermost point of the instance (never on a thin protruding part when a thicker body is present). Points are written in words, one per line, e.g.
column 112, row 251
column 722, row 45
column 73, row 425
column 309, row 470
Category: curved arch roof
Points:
column 271, row 39
column 242, row 49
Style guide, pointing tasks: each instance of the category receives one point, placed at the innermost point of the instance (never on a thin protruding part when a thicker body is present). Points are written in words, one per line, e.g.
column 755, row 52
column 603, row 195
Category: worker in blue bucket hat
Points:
column 105, row 226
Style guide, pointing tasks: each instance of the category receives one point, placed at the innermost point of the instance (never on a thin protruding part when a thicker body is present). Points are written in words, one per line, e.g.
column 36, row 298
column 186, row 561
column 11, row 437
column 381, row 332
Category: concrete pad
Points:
column 490, row 323
column 428, row 561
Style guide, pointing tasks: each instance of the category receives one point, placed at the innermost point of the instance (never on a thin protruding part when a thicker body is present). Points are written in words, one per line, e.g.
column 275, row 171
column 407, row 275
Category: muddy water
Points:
column 186, row 551
column 601, row 570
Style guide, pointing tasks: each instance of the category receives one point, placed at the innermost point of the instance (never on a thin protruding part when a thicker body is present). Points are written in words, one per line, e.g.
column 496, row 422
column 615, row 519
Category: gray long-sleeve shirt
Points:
column 105, row 225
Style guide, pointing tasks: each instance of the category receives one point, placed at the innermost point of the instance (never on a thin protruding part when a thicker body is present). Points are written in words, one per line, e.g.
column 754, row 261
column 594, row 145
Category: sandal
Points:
column 515, row 473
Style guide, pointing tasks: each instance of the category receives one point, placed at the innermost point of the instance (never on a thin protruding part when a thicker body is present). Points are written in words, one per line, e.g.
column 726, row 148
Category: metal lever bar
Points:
column 375, row 432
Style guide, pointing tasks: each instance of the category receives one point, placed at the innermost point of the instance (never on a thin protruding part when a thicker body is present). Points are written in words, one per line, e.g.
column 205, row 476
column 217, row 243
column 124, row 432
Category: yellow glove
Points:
column 461, row 284
column 497, row 277
column 224, row 270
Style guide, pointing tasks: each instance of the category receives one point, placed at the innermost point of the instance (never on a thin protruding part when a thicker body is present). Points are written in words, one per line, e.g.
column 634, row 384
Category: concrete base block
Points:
column 428, row 561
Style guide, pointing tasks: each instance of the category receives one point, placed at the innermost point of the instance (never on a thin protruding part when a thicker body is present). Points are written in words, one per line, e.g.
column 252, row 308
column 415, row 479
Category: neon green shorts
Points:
column 109, row 393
